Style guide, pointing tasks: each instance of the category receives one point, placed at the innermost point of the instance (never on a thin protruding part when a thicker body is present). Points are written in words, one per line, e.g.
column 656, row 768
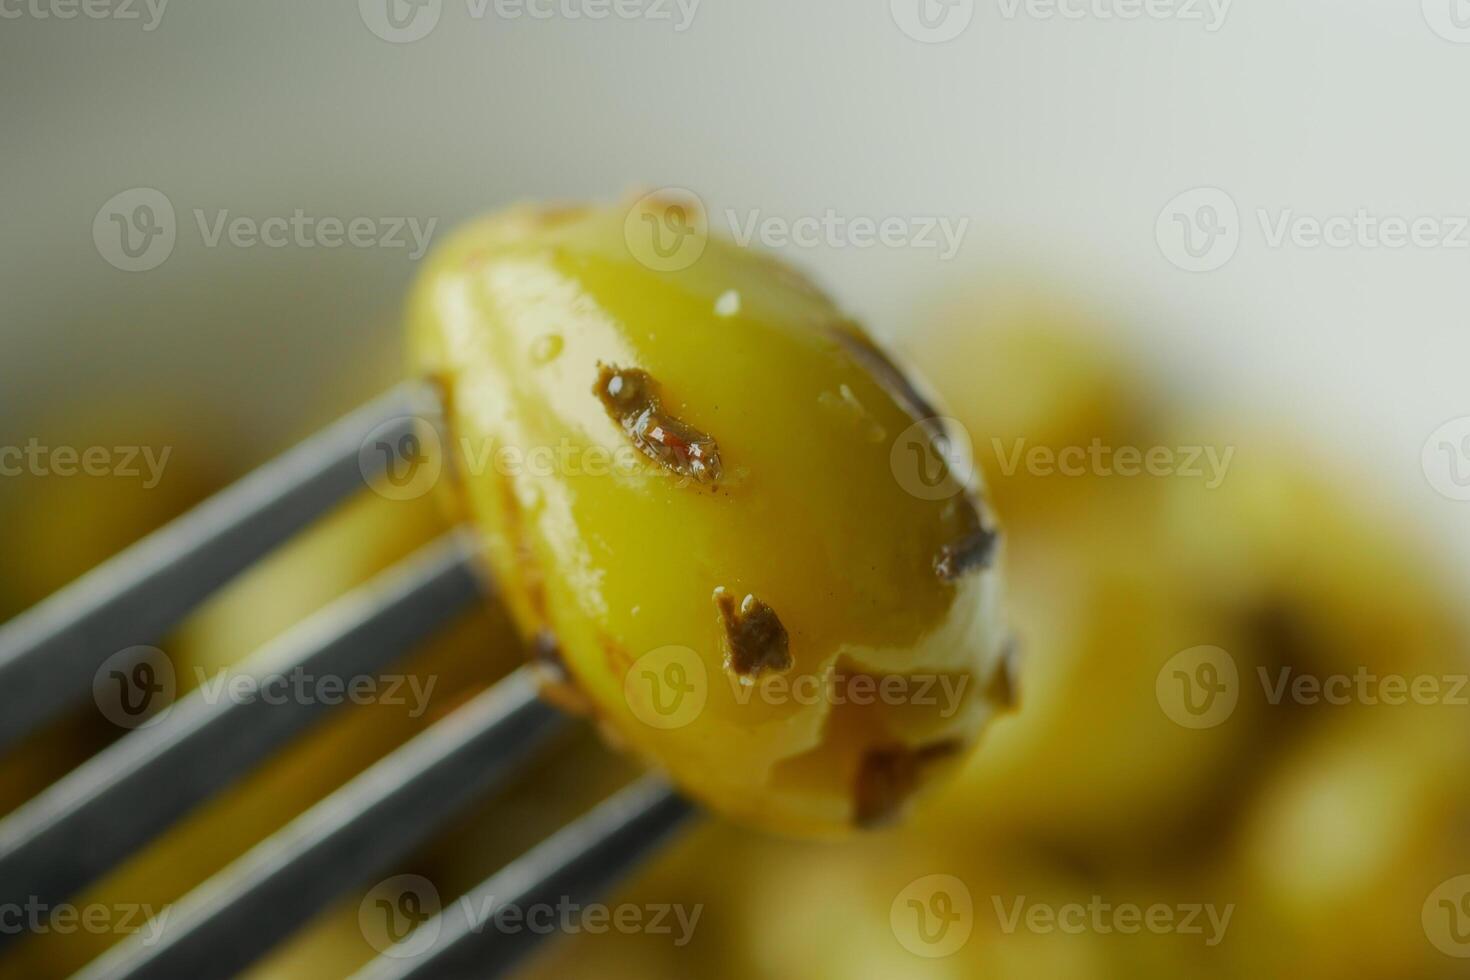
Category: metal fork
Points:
column 94, row 817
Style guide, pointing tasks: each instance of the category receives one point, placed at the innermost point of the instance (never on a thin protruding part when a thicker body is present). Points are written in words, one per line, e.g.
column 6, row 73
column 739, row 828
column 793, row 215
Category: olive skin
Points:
column 693, row 488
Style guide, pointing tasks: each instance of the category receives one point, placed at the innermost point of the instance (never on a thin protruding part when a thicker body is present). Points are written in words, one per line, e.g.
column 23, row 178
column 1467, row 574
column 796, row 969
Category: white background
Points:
column 1060, row 139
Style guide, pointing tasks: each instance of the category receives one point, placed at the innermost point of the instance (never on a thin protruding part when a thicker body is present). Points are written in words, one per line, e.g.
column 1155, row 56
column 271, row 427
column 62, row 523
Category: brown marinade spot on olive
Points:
column 888, row 776
column 631, row 397
column 755, row 640
column 975, row 551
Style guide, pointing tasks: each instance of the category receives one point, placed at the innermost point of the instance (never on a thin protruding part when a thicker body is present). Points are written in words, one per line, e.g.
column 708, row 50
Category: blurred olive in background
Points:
column 1309, row 836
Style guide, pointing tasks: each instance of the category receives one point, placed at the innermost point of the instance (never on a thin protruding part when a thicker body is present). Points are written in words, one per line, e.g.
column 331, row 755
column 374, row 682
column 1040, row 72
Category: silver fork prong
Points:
column 343, row 842
column 49, row 653
column 576, row 865
column 118, row 800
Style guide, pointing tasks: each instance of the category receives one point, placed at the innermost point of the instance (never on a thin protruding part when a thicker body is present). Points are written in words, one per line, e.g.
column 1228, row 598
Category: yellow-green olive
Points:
column 735, row 527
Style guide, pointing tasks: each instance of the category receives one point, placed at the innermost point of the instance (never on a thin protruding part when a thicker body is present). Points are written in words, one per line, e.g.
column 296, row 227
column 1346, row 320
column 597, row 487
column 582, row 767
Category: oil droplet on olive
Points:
column 547, row 348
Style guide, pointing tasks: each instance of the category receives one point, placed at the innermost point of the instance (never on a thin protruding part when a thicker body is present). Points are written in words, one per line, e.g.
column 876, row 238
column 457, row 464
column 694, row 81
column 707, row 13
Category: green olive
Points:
column 736, row 529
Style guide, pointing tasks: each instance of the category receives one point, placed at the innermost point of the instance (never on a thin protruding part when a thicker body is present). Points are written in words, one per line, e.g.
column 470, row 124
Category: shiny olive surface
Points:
column 733, row 525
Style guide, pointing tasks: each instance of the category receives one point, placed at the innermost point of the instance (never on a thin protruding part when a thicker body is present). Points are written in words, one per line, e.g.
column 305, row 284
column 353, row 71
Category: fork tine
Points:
column 576, row 864
column 49, row 653
column 344, row 841
column 122, row 797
